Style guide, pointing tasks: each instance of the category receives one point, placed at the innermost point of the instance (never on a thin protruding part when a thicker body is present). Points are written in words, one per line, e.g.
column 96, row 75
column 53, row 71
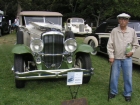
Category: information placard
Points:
column 74, row 78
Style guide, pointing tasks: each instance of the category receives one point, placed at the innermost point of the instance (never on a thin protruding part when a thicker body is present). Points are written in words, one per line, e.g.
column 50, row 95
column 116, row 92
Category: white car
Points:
column 77, row 26
column 98, row 40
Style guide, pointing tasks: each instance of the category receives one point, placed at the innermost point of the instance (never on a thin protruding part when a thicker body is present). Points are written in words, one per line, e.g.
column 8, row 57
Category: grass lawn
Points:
column 53, row 92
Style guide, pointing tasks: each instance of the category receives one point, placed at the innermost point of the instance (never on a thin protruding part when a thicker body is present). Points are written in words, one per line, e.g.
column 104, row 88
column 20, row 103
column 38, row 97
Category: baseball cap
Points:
column 124, row 15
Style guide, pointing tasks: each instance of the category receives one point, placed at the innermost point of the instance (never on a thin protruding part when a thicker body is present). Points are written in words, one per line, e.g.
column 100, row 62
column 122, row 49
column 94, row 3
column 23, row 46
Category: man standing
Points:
column 119, row 38
column 16, row 23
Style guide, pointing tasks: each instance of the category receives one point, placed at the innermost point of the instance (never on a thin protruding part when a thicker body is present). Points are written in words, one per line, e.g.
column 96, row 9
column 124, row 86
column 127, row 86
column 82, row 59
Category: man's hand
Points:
column 129, row 54
column 111, row 60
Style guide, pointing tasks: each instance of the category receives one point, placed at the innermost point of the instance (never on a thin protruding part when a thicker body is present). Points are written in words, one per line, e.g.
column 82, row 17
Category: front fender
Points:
column 21, row 49
column 84, row 48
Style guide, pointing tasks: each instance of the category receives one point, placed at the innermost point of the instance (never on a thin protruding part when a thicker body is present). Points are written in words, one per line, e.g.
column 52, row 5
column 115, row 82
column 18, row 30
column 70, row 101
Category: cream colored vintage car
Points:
column 43, row 51
column 77, row 26
column 98, row 40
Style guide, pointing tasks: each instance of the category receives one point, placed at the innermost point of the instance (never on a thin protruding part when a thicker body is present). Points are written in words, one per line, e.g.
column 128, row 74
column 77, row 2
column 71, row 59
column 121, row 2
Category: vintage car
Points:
column 43, row 51
column 99, row 38
column 77, row 26
column 5, row 24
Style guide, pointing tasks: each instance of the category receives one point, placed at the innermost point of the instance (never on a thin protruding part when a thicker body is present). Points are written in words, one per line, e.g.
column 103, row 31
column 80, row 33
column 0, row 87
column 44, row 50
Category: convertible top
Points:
column 40, row 13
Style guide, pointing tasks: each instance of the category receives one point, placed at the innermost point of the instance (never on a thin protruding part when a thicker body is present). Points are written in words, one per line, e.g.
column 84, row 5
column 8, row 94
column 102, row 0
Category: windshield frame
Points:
column 77, row 20
column 57, row 20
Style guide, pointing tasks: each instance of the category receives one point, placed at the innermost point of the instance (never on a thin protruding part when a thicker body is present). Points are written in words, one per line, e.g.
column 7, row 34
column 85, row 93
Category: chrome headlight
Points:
column 36, row 45
column 70, row 45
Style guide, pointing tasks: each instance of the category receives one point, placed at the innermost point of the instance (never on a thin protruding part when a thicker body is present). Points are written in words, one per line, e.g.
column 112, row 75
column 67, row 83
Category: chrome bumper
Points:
column 43, row 74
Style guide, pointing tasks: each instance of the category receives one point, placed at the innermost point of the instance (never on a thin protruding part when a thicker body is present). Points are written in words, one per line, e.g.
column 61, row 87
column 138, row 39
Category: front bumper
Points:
column 44, row 74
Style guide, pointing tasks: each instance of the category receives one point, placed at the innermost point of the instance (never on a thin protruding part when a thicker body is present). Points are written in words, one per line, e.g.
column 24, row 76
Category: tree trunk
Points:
column 18, row 8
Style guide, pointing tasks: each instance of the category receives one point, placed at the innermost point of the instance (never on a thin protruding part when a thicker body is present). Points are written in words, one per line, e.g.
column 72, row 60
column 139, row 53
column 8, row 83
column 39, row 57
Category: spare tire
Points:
column 19, row 37
column 69, row 34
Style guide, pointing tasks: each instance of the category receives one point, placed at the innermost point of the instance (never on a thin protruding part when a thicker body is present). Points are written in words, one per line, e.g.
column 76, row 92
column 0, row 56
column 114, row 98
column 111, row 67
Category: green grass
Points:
column 53, row 92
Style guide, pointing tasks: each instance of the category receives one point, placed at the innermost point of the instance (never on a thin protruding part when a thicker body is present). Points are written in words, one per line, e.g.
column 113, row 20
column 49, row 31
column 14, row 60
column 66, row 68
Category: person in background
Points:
column 16, row 23
column 119, row 38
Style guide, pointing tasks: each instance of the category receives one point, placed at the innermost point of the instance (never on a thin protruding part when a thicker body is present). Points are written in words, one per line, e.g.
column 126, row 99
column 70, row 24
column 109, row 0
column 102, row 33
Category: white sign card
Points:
column 74, row 78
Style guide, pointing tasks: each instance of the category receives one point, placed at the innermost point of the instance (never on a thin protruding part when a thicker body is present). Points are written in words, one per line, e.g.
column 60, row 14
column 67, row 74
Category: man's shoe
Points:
column 111, row 96
column 127, row 98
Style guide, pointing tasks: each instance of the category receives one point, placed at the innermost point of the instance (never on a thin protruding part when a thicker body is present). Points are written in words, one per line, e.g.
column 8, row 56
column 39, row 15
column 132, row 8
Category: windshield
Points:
column 51, row 20
column 77, row 20
column 135, row 26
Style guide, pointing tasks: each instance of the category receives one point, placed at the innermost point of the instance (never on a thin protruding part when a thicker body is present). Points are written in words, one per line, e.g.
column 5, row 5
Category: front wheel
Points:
column 83, row 61
column 19, row 66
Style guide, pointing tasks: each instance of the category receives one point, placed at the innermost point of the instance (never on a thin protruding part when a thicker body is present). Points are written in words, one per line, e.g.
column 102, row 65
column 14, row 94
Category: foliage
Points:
column 94, row 11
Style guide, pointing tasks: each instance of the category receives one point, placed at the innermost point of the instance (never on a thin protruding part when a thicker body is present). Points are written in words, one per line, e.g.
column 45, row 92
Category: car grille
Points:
column 81, row 27
column 53, row 44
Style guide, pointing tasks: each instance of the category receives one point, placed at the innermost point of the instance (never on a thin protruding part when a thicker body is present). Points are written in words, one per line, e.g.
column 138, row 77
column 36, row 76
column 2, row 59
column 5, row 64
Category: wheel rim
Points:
column 78, row 63
column 92, row 44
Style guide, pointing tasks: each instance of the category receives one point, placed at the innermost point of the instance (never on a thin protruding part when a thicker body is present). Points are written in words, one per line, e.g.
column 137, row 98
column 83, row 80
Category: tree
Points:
column 5, row 5
column 98, row 10
column 91, row 10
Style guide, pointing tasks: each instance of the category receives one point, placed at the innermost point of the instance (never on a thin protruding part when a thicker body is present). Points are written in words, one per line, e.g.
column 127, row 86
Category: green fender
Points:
column 84, row 48
column 21, row 49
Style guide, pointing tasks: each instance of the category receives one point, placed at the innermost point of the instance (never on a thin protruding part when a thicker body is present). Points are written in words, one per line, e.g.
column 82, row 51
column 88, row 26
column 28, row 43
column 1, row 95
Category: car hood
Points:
column 40, row 25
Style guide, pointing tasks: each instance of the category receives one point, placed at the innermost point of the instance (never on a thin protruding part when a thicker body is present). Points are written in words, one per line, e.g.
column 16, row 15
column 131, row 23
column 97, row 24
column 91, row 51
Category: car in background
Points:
column 43, row 51
column 99, row 38
column 5, row 24
column 77, row 26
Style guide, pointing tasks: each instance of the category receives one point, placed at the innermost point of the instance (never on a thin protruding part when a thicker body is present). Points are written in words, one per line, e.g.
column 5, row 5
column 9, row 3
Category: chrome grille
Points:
column 81, row 27
column 53, row 44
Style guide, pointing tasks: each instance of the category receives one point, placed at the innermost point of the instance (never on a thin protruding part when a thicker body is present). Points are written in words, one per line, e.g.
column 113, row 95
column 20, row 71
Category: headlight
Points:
column 70, row 45
column 36, row 45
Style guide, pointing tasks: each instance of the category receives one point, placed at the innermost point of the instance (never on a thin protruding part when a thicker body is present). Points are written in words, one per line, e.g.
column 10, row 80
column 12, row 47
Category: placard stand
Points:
column 75, row 91
column 74, row 80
